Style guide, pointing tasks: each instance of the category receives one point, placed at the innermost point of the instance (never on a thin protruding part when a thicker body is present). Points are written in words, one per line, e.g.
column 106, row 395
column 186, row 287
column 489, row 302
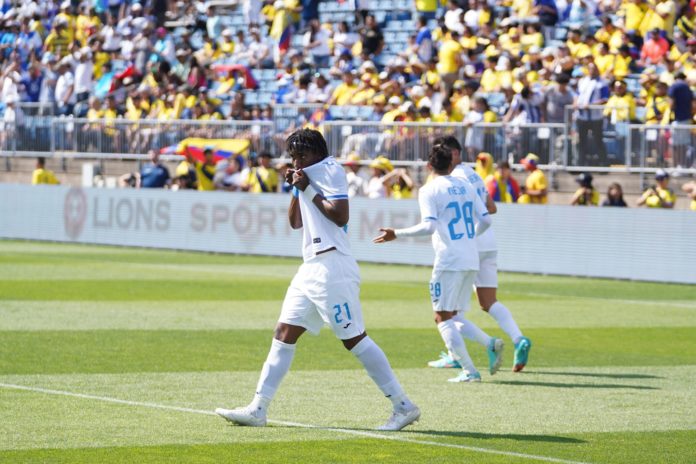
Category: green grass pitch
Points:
column 120, row 355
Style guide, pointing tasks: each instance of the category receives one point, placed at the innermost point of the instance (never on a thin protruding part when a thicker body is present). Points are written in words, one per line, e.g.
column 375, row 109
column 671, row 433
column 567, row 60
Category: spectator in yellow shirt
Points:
column 87, row 20
column 660, row 195
column 489, row 78
column 605, row 61
column 262, row 178
column 535, row 190
column 577, row 47
column 658, row 108
column 345, row 90
column 449, row 60
column 622, row 62
column 205, row 171
column 633, row 12
column 227, row 43
column 610, row 35
column 427, row 8
column 42, row 175
column 586, row 195
column 621, row 107
column 59, row 39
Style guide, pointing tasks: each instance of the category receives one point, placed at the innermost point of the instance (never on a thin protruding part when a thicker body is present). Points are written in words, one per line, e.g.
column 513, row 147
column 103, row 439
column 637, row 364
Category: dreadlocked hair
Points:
column 307, row 141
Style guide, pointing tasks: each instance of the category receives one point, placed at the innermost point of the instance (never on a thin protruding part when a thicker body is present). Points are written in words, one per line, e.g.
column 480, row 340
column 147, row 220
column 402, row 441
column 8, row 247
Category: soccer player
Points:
column 448, row 207
column 487, row 278
column 326, row 287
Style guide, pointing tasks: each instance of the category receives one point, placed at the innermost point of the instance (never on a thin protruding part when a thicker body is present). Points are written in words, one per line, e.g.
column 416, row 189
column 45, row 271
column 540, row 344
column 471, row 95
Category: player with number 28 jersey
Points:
column 454, row 215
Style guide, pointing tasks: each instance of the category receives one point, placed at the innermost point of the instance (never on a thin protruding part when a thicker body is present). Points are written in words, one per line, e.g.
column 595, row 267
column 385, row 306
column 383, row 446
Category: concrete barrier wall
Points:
column 637, row 244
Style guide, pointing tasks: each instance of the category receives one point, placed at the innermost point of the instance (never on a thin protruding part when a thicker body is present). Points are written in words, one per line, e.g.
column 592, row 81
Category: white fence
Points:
column 637, row 244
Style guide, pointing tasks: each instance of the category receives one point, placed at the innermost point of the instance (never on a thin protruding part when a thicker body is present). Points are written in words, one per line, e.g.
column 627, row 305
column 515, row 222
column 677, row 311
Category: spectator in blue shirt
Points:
column 681, row 97
column 9, row 38
column 424, row 40
column 32, row 84
column 153, row 174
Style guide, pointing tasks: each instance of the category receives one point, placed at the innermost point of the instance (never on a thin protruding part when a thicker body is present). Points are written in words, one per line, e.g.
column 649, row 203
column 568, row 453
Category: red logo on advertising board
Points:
column 75, row 212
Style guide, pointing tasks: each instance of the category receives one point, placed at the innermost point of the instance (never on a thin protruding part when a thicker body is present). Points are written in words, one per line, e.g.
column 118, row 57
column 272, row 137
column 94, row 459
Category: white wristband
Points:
column 309, row 192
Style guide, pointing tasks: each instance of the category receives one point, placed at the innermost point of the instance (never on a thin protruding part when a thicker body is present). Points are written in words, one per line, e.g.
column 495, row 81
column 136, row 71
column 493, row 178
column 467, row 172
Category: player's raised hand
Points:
column 299, row 180
column 288, row 176
column 386, row 235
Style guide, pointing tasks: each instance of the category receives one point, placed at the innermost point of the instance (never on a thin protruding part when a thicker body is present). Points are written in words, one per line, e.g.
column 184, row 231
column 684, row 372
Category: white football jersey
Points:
column 485, row 241
column 454, row 206
column 319, row 233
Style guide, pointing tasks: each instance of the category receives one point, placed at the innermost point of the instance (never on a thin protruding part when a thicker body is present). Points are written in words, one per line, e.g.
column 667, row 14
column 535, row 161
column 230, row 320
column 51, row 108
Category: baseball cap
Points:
column 661, row 174
column 352, row 160
column 381, row 162
column 531, row 158
column 584, row 179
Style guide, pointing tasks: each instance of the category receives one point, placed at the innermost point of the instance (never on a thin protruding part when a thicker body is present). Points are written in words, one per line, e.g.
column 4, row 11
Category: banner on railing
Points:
column 643, row 244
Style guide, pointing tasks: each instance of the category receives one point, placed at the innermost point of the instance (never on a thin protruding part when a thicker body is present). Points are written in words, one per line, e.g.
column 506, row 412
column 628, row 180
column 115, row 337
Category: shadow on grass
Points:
column 497, row 436
column 575, row 385
column 591, row 374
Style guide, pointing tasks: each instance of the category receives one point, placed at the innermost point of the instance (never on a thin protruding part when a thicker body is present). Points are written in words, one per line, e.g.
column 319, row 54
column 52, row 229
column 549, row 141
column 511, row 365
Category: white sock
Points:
column 455, row 344
column 377, row 366
column 274, row 369
column 471, row 331
column 505, row 320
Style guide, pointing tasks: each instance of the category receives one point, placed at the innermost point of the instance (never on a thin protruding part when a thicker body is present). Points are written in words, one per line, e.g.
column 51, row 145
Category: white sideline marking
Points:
column 291, row 424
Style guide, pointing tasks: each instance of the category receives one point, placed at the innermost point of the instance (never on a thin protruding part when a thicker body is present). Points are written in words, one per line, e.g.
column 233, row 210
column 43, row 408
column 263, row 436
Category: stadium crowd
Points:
column 469, row 61
column 525, row 59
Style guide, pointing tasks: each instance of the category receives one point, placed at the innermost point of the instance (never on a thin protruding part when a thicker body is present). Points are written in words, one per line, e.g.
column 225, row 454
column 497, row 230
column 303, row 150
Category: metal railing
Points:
column 603, row 144
column 118, row 137
column 603, row 135
column 411, row 141
column 291, row 116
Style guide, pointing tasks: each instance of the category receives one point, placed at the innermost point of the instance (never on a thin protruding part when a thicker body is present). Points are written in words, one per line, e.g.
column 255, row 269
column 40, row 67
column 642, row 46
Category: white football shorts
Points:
column 451, row 290
column 487, row 276
column 326, row 290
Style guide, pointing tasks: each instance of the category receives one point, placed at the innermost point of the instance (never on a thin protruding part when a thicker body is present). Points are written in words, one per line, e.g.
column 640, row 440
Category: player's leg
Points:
column 486, row 290
column 297, row 315
column 449, row 293
column 380, row 371
column 340, row 307
column 494, row 346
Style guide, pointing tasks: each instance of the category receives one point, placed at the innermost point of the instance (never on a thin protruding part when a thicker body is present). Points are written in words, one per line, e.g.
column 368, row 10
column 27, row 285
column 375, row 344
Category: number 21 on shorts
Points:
column 340, row 311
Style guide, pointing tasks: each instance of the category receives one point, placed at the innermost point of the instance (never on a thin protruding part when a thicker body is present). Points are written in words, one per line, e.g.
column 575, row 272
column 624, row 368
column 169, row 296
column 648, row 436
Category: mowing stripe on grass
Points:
column 654, row 303
column 291, row 424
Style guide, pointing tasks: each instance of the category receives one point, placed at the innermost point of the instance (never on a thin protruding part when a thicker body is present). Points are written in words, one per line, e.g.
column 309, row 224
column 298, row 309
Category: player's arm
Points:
column 336, row 211
column 294, row 214
column 490, row 205
column 483, row 218
column 428, row 208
